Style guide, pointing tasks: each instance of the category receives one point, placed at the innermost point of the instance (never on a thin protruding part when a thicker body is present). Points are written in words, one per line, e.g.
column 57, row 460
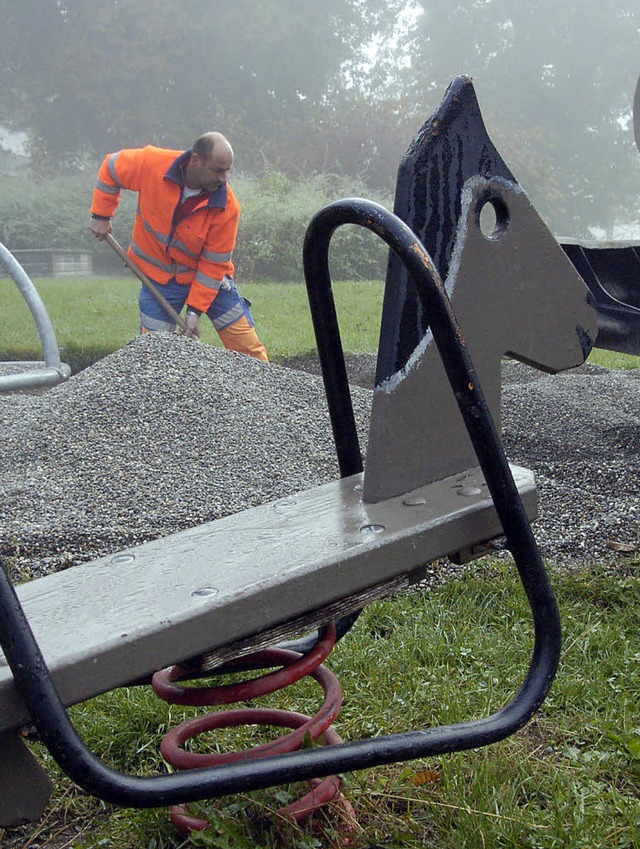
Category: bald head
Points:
column 210, row 142
column 211, row 160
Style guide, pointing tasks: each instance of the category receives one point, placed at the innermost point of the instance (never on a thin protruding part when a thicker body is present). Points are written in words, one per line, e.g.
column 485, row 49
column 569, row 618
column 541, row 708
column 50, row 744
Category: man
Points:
column 183, row 236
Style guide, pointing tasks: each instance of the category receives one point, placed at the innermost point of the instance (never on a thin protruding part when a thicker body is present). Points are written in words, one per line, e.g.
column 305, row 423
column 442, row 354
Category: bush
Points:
column 53, row 213
column 276, row 211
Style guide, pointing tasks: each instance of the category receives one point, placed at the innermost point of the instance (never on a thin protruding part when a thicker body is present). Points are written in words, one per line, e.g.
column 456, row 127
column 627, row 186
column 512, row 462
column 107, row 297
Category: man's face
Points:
column 208, row 174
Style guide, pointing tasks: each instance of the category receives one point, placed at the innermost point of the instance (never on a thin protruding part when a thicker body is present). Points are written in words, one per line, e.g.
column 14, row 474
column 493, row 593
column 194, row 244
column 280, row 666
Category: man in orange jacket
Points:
column 184, row 234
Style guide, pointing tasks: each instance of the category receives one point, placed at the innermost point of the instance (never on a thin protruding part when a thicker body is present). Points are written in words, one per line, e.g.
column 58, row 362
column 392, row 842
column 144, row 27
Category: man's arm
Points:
column 118, row 171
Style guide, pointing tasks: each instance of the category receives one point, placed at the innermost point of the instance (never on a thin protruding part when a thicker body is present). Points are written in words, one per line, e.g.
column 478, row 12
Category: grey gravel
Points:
column 168, row 433
column 579, row 431
column 164, row 434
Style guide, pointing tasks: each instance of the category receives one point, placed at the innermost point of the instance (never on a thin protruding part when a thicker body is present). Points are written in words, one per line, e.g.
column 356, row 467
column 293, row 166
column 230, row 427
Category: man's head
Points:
column 210, row 162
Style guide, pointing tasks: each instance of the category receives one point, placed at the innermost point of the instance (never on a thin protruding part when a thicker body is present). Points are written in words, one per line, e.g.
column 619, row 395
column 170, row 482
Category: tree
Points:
column 80, row 75
column 556, row 77
column 87, row 79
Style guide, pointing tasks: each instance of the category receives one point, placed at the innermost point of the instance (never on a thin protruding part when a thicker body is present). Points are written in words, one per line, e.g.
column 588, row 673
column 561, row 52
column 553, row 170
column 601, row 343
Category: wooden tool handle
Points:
column 160, row 298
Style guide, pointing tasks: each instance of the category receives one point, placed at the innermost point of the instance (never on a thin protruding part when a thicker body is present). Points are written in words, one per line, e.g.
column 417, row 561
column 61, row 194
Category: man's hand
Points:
column 192, row 321
column 100, row 227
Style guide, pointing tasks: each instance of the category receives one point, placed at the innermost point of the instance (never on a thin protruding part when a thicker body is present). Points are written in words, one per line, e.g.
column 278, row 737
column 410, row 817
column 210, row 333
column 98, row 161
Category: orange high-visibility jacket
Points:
column 198, row 249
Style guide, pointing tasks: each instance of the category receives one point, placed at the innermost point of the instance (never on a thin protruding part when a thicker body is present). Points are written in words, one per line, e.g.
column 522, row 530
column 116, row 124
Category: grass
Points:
column 93, row 317
column 570, row 778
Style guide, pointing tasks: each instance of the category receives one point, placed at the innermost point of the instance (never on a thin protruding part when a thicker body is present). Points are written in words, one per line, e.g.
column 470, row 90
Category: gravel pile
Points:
column 579, row 431
column 168, row 433
column 163, row 435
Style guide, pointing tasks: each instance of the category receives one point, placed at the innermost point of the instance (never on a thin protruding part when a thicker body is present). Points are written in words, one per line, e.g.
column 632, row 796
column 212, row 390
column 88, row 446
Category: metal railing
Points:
column 51, row 371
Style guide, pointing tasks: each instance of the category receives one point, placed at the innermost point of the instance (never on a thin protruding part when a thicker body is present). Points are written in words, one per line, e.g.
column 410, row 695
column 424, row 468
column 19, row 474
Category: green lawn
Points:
column 92, row 317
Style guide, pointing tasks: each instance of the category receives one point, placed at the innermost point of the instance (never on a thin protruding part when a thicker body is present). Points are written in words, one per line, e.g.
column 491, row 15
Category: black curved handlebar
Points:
column 33, row 680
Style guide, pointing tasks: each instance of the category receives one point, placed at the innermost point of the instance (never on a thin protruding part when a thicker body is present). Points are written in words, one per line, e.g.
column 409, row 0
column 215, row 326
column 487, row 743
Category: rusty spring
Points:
column 293, row 666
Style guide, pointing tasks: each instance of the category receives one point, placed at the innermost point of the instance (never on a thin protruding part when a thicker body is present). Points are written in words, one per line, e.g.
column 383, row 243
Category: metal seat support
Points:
column 50, row 372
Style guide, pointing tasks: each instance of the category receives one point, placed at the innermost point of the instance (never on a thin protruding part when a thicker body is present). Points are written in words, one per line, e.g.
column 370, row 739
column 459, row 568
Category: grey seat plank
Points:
column 107, row 623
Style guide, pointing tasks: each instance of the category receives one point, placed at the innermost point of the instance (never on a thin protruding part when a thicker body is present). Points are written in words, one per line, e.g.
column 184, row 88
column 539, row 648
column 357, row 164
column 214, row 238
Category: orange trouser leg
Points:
column 241, row 337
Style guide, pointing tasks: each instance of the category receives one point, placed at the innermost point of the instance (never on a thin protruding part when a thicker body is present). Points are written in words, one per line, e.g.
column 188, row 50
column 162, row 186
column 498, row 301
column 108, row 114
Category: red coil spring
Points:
column 294, row 666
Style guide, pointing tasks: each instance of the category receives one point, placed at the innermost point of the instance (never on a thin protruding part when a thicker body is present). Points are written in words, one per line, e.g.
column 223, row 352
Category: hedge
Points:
column 276, row 211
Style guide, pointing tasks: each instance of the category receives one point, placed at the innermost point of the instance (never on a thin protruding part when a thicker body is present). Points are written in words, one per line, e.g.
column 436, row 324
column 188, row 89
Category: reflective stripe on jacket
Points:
column 198, row 250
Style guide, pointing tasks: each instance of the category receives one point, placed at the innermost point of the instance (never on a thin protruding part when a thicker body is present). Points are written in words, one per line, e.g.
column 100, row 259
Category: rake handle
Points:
column 160, row 298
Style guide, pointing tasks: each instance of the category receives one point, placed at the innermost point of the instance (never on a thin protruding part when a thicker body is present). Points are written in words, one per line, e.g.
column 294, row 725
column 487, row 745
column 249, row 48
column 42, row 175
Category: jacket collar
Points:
column 215, row 200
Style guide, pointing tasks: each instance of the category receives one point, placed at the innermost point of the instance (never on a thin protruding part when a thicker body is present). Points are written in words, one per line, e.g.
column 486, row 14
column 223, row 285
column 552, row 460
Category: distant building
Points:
column 12, row 164
column 14, row 160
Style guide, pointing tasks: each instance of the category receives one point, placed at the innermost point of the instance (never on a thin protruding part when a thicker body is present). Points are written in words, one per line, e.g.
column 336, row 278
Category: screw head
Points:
column 372, row 529
column 122, row 559
column 205, row 591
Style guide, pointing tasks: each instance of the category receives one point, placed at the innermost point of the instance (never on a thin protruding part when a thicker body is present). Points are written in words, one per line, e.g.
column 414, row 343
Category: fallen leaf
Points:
column 425, row 776
column 622, row 547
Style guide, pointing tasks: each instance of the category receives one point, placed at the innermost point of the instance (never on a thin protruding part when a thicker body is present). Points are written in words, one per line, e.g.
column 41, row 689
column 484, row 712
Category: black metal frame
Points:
column 611, row 274
column 33, row 680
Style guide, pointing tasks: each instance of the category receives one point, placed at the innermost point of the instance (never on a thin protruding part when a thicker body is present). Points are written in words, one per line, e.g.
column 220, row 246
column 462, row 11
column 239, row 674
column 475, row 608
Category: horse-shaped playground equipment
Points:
column 460, row 294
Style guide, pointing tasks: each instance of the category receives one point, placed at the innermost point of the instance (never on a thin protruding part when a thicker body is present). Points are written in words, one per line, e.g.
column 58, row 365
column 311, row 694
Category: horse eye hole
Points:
column 493, row 218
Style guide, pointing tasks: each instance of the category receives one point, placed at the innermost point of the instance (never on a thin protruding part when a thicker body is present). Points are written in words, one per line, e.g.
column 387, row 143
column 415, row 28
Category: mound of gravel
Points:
column 163, row 435
column 168, row 433
column 579, row 431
